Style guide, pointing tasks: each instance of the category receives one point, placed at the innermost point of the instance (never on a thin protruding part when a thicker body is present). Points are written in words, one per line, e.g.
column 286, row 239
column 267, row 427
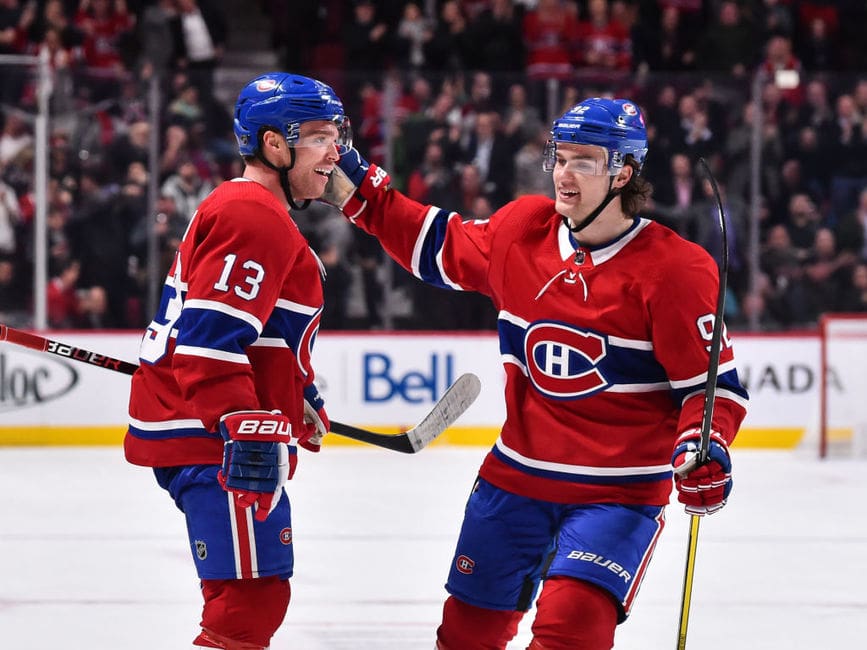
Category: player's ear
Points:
column 271, row 139
column 623, row 176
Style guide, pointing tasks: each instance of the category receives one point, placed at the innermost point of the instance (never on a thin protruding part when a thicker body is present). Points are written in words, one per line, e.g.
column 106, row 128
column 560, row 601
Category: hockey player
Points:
column 225, row 390
column 605, row 320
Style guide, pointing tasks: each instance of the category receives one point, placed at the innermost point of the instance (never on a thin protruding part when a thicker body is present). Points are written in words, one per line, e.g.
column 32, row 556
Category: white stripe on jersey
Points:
column 211, row 353
column 269, row 342
column 297, row 307
column 419, row 242
column 702, row 378
column 223, row 308
column 166, row 425
column 579, row 469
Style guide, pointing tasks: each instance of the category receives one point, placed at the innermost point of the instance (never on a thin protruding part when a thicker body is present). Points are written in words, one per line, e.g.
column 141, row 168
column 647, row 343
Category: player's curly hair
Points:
column 636, row 192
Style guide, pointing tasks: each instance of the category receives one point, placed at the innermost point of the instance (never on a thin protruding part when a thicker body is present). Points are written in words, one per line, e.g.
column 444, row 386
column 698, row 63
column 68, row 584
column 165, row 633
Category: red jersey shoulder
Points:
column 670, row 253
column 246, row 207
column 524, row 214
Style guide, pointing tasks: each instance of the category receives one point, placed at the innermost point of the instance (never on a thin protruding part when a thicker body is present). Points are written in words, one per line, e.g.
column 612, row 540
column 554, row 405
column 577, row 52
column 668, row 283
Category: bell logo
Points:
column 464, row 565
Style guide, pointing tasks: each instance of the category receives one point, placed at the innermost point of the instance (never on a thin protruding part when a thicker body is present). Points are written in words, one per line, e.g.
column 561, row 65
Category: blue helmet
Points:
column 615, row 124
column 283, row 102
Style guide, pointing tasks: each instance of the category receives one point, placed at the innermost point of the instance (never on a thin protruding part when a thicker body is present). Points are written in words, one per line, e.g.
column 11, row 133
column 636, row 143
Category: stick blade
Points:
column 454, row 402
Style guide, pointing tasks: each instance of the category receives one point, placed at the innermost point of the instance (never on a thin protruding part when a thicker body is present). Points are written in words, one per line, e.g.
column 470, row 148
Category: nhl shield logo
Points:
column 201, row 549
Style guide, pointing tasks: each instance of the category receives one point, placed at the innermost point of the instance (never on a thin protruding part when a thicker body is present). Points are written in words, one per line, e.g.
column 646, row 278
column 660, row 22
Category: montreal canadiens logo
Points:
column 562, row 361
column 464, row 564
column 629, row 109
column 286, row 536
column 264, row 85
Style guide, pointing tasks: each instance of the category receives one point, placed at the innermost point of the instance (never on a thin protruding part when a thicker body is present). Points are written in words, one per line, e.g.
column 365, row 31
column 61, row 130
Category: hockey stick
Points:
column 457, row 399
column 707, row 413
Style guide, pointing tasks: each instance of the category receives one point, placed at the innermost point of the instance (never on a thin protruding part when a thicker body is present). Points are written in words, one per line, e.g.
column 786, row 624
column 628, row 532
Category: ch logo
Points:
column 563, row 362
column 286, row 536
column 464, row 565
column 201, row 549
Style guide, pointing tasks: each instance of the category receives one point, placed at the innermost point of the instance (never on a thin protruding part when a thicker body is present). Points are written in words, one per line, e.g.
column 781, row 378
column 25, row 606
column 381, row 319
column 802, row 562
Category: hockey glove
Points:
column 704, row 489
column 259, row 456
column 352, row 182
column 315, row 419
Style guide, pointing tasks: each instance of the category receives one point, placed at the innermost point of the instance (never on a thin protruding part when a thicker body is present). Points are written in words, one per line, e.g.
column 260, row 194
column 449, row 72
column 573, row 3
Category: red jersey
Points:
column 234, row 330
column 605, row 349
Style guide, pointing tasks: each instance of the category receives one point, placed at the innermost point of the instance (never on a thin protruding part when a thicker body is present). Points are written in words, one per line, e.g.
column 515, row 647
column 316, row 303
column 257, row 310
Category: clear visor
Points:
column 589, row 160
column 336, row 134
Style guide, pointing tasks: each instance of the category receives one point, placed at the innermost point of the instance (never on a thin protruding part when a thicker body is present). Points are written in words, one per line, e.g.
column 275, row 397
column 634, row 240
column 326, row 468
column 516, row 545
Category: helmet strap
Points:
column 590, row 218
column 282, row 174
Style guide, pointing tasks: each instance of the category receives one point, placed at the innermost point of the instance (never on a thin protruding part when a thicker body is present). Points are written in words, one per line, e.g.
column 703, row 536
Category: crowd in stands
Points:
column 455, row 97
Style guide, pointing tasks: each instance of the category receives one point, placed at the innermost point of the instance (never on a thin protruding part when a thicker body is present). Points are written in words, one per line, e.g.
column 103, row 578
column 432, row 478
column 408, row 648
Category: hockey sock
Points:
column 467, row 627
column 573, row 615
column 244, row 613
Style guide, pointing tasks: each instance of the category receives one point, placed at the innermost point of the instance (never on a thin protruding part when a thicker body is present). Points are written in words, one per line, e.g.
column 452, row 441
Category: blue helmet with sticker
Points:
column 615, row 124
column 282, row 102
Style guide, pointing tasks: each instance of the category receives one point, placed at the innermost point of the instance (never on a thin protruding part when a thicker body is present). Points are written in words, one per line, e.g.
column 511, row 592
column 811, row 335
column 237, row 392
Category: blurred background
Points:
column 115, row 122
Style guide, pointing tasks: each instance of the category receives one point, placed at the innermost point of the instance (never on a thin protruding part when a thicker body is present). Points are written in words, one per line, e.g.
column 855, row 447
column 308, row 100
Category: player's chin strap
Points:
column 282, row 173
column 612, row 193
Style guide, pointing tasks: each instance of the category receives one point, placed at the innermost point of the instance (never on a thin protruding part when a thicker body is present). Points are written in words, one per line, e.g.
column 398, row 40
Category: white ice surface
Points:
column 93, row 555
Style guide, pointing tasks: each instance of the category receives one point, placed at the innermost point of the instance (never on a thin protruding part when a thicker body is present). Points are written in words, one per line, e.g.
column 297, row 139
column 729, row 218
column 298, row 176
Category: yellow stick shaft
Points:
column 686, row 599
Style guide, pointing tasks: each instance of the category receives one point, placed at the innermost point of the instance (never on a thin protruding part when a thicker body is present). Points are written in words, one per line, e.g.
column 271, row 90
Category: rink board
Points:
column 386, row 382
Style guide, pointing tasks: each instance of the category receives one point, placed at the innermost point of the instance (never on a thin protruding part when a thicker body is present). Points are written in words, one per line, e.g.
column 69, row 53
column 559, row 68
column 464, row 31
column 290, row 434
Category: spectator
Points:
column 432, row 182
column 780, row 60
column 852, row 228
column 127, row 148
column 492, row 153
column 668, row 45
column 497, row 38
column 12, row 301
column 802, row 223
column 452, row 47
column 187, row 189
column 413, row 33
column 15, row 137
column 603, row 43
column 826, row 272
column 367, row 45
column 817, row 49
column 200, row 33
column 521, row 119
column 550, row 32
column 675, row 193
column 157, row 39
column 107, row 27
column 530, row 178
column 849, row 149
column 775, row 19
column 729, row 44
column 854, row 297
column 786, row 295
column 62, row 296
column 10, row 217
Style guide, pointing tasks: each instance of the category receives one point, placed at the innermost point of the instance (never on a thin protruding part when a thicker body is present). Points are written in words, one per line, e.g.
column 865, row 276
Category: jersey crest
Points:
column 562, row 361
